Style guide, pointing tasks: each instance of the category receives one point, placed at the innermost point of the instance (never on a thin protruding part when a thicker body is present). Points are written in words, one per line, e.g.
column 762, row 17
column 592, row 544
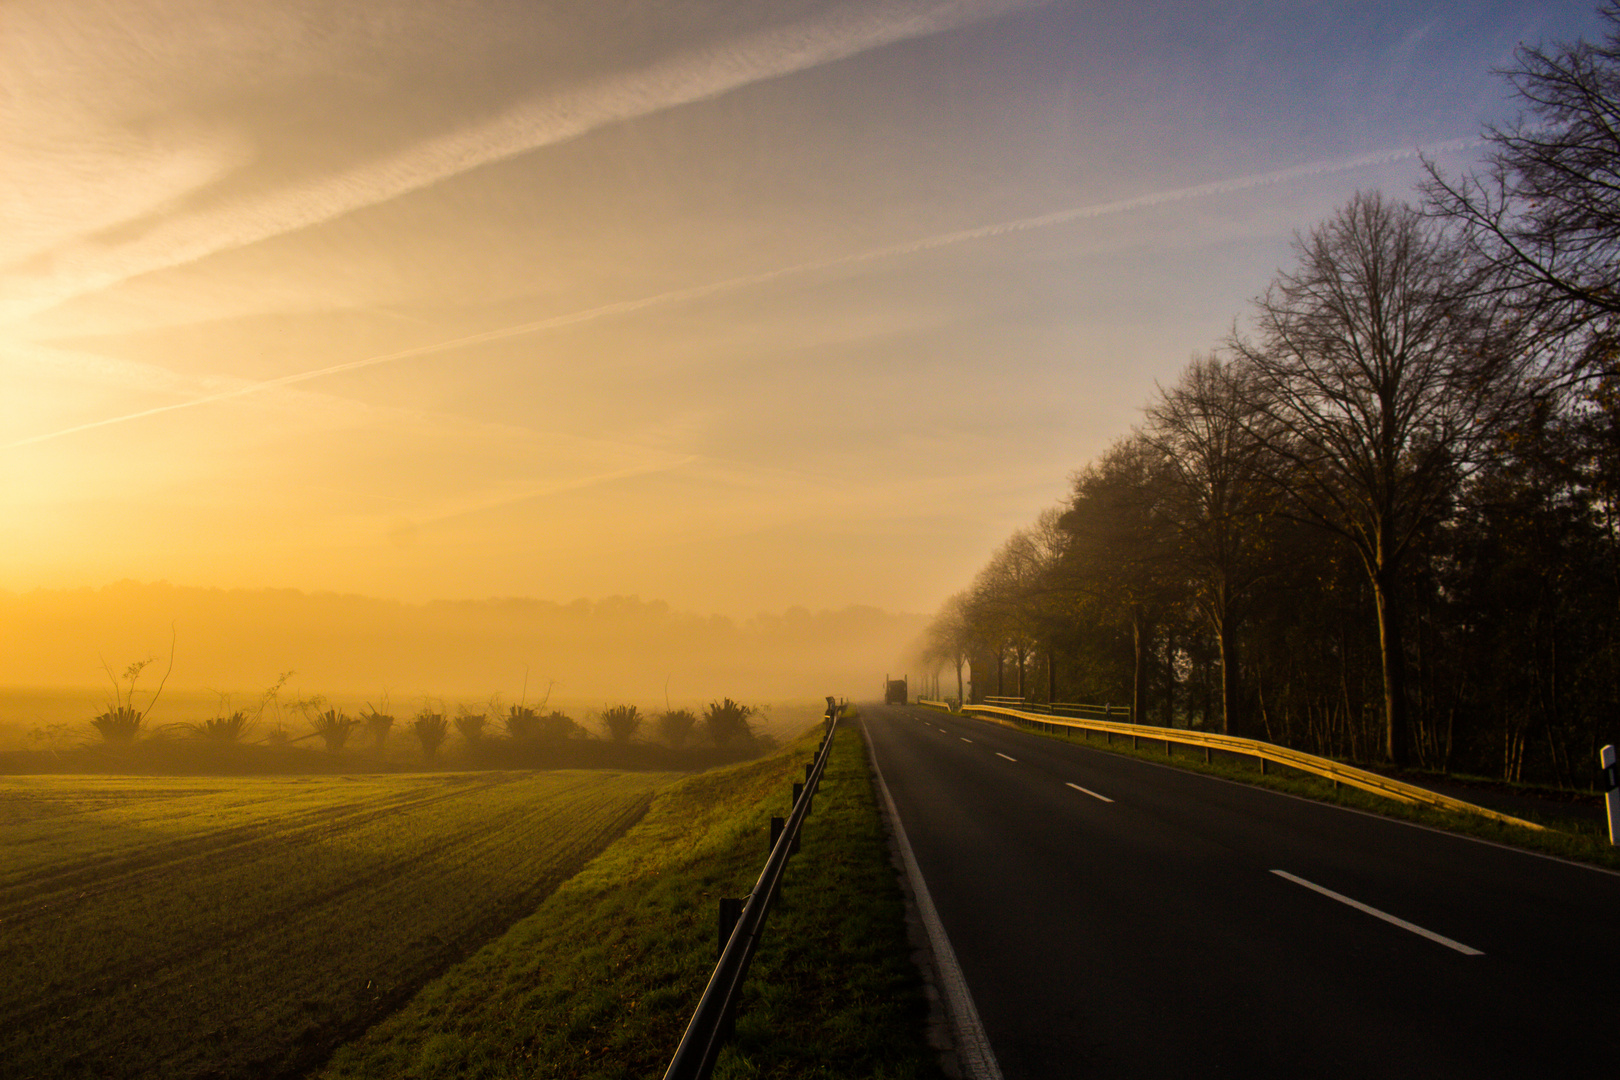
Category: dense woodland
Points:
column 1377, row 522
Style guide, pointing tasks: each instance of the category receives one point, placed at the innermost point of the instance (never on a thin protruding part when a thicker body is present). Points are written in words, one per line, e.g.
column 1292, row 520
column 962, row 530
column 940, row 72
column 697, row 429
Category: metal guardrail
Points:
column 1281, row 755
column 932, row 704
column 1059, row 708
column 711, row 1023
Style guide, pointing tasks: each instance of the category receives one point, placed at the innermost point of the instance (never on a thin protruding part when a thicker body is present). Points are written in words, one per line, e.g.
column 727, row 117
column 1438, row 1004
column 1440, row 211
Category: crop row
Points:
column 245, row 927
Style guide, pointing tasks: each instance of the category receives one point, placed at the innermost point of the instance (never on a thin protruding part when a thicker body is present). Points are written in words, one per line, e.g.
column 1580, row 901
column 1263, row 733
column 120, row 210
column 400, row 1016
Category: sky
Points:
column 739, row 306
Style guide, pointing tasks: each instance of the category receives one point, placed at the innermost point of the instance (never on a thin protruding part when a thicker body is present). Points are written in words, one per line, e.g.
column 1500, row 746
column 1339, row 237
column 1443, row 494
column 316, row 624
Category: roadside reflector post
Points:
column 730, row 912
column 1611, row 792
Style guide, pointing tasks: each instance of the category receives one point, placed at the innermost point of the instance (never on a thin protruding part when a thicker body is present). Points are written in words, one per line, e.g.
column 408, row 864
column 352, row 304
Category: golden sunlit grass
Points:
column 602, row 978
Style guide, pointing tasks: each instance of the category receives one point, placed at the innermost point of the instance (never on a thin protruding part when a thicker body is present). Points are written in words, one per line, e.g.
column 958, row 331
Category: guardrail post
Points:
column 776, row 831
column 1262, row 766
column 730, row 912
column 1206, row 755
column 1611, row 792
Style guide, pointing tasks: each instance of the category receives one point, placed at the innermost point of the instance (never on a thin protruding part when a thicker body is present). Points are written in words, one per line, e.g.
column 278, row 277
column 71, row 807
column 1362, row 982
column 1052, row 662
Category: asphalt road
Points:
column 1153, row 936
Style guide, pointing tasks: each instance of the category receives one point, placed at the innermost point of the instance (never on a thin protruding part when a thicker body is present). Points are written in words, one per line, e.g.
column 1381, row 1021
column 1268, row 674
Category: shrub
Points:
column 120, row 723
column 556, row 726
column 524, row 724
column 224, row 728
column 334, row 727
column 377, row 726
column 621, row 722
column 431, row 728
column 675, row 726
column 471, row 726
column 727, row 722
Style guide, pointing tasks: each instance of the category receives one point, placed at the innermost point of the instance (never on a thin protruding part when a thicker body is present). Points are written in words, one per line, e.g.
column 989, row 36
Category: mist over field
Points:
column 587, row 653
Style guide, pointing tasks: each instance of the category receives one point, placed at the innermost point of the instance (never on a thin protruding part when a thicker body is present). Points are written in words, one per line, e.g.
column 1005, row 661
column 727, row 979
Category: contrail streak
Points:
column 745, row 281
column 835, row 33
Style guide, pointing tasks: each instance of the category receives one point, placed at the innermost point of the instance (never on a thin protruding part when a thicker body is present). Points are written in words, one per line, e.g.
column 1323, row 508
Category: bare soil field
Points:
column 244, row 927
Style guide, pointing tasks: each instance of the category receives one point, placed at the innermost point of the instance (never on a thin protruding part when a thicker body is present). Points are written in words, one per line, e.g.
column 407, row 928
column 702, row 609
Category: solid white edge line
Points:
column 1386, row 916
column 964, row 738
column 1088, row 791
column 1001, row 755
column 972, row 1044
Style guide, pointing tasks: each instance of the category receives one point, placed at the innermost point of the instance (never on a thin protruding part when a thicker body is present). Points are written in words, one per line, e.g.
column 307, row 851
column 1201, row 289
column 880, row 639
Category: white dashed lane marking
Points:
column 1375, row 913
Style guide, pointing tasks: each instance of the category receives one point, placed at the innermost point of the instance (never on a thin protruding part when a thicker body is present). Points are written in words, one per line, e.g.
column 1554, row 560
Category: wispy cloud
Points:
column 83, row 265
column 1054, row 219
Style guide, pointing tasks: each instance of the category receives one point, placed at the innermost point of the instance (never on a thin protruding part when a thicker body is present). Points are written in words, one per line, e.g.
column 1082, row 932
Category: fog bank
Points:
column 618, row 648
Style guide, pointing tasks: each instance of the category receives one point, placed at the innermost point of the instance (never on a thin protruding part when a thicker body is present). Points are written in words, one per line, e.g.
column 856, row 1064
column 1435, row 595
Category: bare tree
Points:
column 1381, row 378
column 1001, row 607
column 1119, row 555
column 950, row 637
column 1204, row 429
column 1544, row 215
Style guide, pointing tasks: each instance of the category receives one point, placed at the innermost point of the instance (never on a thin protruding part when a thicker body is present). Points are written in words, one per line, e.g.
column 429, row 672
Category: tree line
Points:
column 1378, row 521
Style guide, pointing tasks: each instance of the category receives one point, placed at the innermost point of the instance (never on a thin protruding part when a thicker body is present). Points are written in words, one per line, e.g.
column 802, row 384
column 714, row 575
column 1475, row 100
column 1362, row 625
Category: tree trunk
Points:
column 1228, row 649
column 1141, row 636
column 1051, row 673
column 1169, row 680
column 1394, row 662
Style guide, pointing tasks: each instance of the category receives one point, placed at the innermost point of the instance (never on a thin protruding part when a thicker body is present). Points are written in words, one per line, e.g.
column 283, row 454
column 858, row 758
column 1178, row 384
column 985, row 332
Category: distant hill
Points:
column 622, row 648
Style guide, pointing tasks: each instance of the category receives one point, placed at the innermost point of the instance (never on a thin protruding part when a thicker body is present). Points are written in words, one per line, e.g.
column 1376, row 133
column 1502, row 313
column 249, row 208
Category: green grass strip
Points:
column 602, row 978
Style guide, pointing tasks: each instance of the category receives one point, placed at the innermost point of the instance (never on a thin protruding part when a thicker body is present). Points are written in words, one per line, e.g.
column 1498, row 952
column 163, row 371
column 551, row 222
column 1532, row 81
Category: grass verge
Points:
column 602, row 978
column 1573, row 838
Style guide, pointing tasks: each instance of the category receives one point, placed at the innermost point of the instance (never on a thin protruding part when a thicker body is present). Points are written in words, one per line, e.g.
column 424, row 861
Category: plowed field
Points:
column 246, row 927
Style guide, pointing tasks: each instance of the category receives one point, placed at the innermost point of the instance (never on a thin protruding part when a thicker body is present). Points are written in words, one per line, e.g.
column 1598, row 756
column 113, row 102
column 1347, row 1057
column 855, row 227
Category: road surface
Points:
column 1116, row 918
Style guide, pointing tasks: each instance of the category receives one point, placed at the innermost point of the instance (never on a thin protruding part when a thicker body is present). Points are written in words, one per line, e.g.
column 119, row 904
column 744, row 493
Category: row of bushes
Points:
column 723, row 724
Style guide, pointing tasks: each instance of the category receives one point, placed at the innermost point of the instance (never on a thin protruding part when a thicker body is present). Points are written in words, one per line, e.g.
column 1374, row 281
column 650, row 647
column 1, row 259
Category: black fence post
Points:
column 776, row 832
column 730, row 912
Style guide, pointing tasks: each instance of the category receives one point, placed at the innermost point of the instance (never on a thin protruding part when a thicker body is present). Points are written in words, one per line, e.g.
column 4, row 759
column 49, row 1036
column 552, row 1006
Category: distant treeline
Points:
column 1378, row 522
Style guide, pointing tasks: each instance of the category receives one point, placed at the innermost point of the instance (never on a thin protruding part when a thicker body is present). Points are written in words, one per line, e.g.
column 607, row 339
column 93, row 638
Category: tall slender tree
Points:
column 1381, row 377
column 1204, row 428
